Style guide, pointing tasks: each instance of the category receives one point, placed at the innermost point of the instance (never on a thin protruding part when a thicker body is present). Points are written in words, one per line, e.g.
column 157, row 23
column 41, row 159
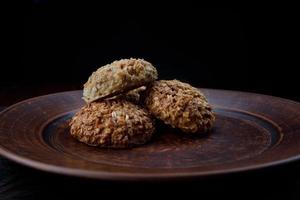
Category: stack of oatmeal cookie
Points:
column 123, row 99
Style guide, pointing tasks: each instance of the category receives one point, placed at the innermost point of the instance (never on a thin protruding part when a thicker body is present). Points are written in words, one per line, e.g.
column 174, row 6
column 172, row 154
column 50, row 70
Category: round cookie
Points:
column 112, row 123
column 179, row 105
column 118, row 77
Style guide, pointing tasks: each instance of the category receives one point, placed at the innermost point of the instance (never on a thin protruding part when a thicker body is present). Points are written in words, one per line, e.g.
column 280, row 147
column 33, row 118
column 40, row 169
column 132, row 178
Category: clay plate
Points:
column 251, row 131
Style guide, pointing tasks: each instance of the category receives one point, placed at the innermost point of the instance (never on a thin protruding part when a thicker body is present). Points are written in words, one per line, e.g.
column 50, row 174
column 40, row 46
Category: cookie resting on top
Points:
column 118, row 77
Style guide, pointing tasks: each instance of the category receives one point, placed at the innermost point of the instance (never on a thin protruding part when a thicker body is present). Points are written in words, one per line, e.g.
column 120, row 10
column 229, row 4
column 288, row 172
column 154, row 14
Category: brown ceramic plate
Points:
column 252, row 131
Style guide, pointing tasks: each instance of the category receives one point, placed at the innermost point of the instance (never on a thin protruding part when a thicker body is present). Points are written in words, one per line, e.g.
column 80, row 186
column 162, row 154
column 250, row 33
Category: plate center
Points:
column 236, row 136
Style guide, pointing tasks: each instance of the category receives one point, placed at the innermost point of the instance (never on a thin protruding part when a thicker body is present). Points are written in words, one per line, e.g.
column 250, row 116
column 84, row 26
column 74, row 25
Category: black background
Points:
column 248, row 49
column 56, row 43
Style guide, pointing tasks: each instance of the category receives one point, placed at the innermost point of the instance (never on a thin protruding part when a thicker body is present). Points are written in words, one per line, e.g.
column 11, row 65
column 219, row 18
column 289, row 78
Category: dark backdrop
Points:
column 247, row 49
column 49, row 44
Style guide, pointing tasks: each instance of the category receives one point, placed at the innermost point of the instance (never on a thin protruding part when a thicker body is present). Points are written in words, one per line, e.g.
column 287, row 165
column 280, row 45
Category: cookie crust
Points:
column 118, row 77
column 114, row 123
column 179, row 105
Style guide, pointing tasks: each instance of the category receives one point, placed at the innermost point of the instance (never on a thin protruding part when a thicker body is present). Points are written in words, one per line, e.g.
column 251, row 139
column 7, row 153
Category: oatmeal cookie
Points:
column 118, row 77
column 114, row 123
column 179, row 105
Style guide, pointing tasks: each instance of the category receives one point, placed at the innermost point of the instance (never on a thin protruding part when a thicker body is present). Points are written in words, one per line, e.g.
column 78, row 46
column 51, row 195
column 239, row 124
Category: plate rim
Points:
column 127, row 176
column 123, row 176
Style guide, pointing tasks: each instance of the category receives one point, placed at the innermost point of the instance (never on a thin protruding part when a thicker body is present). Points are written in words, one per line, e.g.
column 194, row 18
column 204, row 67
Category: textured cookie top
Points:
column 112, row 123
column 118, row 77
column 179, row 105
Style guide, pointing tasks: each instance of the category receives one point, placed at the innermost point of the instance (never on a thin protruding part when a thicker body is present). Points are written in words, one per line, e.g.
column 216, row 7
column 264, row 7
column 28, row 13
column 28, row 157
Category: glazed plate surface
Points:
column 252, row 131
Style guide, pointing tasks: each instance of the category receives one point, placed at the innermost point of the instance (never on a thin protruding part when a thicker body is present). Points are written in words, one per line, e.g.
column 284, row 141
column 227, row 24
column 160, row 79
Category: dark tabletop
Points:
column 20, row 182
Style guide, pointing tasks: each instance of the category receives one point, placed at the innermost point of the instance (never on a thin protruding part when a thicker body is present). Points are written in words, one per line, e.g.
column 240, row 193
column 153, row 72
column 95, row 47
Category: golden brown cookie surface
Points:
column 112, row 123
column 179, row 105
column 118, row 77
